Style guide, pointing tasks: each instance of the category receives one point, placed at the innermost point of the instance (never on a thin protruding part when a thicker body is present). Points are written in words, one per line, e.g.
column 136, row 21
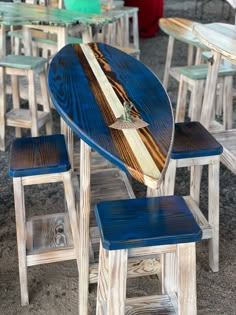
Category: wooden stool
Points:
column 179, row 29
column 194, row 147
column 19, row 117
column 33, row 161
column 193, row 78
column 148, row 226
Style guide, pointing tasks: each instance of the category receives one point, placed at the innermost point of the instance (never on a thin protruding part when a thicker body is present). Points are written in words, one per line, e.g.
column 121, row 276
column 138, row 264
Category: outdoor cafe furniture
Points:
column 161, row 225
column 89, row 86
column 221, row 40
column 179, row 29
column 42, row 160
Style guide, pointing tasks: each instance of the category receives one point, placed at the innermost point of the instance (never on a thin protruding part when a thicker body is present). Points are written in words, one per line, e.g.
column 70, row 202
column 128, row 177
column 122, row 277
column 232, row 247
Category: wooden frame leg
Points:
column 196, row 100
column 186, row 270
column 169, row 181
column 2, row 109
column 16, row 99
column 33, row 104
column 102, row 286
column 21, row 237
column 169, row 55
column 70, row 200
column 69, row 138
column 190, row 55
column 169, row 271
column 228, row 103
column 213, row 213
column 181, row 100
column 46, row 103
column 195, row 182
column 85, row 152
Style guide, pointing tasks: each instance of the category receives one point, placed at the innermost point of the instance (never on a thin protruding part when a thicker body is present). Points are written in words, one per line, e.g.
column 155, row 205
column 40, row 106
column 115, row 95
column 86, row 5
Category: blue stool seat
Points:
column 193, row 140
column 38, row 155
column 146, row 222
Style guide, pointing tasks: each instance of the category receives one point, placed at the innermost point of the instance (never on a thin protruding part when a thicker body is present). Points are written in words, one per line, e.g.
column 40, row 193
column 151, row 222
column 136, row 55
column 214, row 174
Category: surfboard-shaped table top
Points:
column 91, row 84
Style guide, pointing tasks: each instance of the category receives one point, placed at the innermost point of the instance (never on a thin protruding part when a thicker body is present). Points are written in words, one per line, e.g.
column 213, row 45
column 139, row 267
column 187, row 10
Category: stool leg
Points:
column 181, row 100
column 84, row 218
column 102, row 288
column 168, row 61
column 2, row 108
column 213, row 213
column 21, row 237
column 46, row 103
column 70, row 200
column 33, row 104
column 196, row 100
column 16, row 99
column 195, row 182
column 228, row 103
column 169, row 181
column 186, row 271
column 169, row 281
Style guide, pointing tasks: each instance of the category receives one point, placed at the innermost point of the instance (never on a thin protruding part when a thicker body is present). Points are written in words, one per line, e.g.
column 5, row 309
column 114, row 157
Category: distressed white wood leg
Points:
column 196, row 98
column 228, row 103
column 70, row 200
column 2, row 41
column 21, row 237
column 169, row 270
column 69, row 138
column 190, row 55
column 169, row 55
column 2, row 108
column 46, row 103
column 117, row 276
column 101, row 307
column 195, row 182
column 181, row 100
column 213, row 214
column 186, row 270
column 87, row 35
column 210, row 88
column 169, row 181
column 33, row 104
column 198, row 58
column 61, row 37
column 16, row 99
column 85, row 153
column 155, row 192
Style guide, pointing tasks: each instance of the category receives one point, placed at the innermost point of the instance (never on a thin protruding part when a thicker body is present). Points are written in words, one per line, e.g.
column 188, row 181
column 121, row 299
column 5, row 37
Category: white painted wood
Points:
column 186, row 265
column 46, row 105
column 195, row 182
column 21, row 238
column 169, row 181
column 181, row 100
column 16, row 99
column 84, row 216
column 228, row 103
column 2, row 108
column 190, row 55
column 169, row 55
column 33, row 105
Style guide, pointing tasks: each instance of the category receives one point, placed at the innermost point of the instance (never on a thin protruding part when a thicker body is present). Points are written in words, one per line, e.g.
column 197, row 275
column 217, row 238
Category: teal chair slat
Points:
column 146, row 222
column 23, row 62
column 199, row 72
column 38, row 155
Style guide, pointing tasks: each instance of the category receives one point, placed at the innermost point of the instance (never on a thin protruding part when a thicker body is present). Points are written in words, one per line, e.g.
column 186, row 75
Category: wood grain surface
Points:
column 89, row 84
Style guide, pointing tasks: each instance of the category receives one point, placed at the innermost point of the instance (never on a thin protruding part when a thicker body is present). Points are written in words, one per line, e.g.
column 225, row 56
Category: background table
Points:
column 88, row 84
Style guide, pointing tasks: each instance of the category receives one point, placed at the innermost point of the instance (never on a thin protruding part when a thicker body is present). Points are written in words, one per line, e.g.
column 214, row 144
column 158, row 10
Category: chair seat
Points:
column 23, row 62
column 146, row 222
column 199, row 72
column 38, row 155
column 193, row 140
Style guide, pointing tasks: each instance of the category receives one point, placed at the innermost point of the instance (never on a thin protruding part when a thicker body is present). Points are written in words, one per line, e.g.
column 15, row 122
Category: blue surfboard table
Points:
column 97, row 89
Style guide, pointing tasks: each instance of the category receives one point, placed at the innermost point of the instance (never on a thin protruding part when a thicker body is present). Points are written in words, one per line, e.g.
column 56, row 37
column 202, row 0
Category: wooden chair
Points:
column 41, row 160
column 194, row 147
column 194, row 78
column 179, row 29
column 148, row 226
column 32, row 118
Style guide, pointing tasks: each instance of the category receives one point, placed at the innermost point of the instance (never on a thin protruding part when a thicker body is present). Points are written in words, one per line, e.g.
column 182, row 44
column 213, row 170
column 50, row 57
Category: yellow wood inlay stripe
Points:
column 154, row 149
column 184, row 24
column 138, row 147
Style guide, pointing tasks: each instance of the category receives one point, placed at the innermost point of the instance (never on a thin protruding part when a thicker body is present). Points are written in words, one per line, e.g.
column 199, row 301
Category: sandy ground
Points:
column 54, row 287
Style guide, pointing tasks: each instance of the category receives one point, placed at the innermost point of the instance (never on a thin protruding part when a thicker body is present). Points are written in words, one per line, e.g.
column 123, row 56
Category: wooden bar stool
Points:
column 41, row 160
column 148, row 226
column 17, row 117
column 194, row 147
column 194, row 78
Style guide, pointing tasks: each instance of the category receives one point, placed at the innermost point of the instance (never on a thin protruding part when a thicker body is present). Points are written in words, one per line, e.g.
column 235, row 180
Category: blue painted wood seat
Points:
column 195, row 147
column 142, row 227
column 50, row 237
column 192, row 140
column 38, row 155
column 146, row 222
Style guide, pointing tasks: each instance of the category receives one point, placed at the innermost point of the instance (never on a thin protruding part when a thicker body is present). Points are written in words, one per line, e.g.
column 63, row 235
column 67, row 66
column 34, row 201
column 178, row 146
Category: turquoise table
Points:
column 90, row 86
